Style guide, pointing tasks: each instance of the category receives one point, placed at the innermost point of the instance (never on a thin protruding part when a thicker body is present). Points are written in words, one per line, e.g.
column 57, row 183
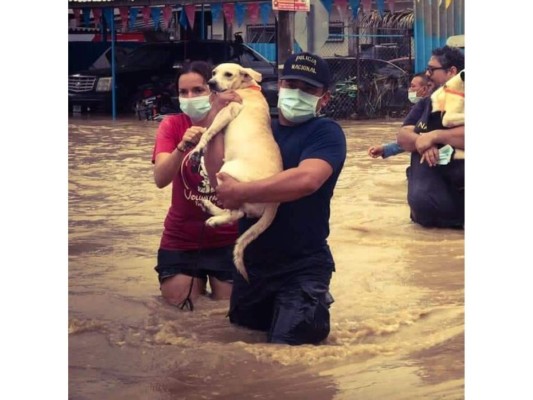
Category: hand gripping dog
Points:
column 250, row 151
column 449, row 101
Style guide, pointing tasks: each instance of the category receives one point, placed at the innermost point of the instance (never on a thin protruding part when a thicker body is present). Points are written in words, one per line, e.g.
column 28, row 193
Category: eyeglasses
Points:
column 431, row 69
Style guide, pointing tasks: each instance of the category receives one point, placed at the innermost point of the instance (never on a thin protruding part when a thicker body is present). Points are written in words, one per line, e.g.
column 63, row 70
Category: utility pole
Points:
column 285, row 36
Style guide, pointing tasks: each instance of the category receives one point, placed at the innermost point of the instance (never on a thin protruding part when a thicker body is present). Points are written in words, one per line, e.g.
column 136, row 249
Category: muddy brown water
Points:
column 397, row 321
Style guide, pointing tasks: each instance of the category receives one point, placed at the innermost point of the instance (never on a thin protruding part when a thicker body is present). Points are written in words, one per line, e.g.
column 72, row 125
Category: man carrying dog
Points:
column 290, row 264
column 435, row 193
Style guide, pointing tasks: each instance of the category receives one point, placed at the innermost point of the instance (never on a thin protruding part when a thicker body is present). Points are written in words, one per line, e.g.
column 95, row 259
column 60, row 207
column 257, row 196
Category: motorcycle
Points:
column 155, row 101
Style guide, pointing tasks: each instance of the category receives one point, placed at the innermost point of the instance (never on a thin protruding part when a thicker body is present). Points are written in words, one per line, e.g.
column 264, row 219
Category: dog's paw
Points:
column 195, row 157
column 218, row 220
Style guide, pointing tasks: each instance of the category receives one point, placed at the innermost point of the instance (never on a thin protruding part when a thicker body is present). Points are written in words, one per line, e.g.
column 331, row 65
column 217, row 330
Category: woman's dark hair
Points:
column 450, row 57
column 202, row 68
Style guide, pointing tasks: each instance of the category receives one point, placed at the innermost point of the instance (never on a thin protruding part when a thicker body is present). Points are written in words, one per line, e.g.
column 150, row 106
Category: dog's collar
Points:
column 249, row 87
column 449, row 90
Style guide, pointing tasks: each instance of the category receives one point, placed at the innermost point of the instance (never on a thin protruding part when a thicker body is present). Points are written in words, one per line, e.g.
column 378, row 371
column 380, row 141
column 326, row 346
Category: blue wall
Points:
column 433, row 24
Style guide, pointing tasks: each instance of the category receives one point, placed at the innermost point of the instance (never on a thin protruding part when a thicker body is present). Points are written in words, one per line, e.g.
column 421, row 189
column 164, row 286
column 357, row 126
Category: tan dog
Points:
column 250, row 151
column 449, row 100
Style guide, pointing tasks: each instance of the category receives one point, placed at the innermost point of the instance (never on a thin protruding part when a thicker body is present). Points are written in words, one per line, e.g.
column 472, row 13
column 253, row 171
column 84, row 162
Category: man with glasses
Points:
column 435, row 191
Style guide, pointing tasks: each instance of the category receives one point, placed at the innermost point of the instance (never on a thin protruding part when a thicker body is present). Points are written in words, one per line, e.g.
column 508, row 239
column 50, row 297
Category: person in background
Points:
column 435, row 191
column 190, row 252
column 420, row 87
column 290, row 265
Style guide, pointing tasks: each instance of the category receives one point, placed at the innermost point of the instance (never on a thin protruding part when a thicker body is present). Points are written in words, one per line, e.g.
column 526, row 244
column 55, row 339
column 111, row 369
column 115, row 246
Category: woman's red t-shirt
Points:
column 184, row 227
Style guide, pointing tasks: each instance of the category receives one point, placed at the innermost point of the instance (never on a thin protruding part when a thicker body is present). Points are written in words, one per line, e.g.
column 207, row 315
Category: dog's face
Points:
column 233, row 76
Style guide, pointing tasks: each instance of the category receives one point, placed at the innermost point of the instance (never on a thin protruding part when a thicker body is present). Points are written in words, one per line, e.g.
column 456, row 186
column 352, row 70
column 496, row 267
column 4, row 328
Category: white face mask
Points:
column 413, row 98
column 195, row 107
column 296, row 105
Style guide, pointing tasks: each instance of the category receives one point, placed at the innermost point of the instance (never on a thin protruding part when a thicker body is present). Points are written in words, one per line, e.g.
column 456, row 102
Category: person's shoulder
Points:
column 326, row 123
column 174, row 122
column 172, row 119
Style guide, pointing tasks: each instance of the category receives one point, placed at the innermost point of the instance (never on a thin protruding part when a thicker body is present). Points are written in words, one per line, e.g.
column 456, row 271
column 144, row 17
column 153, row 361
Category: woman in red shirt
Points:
column 190, row 252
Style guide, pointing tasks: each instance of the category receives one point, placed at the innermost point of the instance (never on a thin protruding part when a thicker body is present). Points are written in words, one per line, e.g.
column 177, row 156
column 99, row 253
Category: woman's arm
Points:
column 166, row 167
column 167, row 164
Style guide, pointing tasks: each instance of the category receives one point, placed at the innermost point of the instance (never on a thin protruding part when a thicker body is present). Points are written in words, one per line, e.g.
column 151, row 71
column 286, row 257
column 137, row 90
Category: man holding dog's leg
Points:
column 290, row 264
column 435, row 192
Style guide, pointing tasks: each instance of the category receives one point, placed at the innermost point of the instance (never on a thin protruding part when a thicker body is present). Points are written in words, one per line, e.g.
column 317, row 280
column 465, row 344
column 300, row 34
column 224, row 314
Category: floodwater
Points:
column 397, row 323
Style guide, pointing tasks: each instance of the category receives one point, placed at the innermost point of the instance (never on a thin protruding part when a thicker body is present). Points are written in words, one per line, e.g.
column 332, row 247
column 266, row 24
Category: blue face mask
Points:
column 296, row 105
column 195, row 107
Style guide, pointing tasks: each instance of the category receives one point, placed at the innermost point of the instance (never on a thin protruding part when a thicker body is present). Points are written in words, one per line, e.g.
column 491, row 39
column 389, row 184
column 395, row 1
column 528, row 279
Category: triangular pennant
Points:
column 167, row 15
column 156, row 15
column 253, row 13
column 354, row 4
column 109, row 16
column 367, row 5
column 97, row 14
column 190, row 11
column 240, row 12
column 327, row 5
column 264, row 10
column 123, row 18
column 77, row 14
column 216, row 11
column 381, row 7
column 183, row 19
column 133, row 17
column 391, row 5
column 146, row 15
column 342, row 6
column 229, row 12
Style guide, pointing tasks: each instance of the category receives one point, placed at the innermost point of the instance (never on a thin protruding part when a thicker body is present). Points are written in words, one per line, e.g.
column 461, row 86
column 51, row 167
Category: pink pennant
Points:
column 229, row 12
column 167, row 15
column 97, row 14
column 124, row 18
column 77, row 14
column 253, row 12
column 190, row 10
column 367, row 5
column 342, row 6
column 146, row 15
column 391, row 5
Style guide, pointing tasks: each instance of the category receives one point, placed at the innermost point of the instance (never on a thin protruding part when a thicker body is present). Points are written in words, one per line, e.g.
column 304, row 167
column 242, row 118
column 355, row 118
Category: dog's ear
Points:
column 251, row 74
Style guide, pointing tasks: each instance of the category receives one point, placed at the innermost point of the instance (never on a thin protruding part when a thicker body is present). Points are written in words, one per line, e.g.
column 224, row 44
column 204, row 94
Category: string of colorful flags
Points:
column 232, row 12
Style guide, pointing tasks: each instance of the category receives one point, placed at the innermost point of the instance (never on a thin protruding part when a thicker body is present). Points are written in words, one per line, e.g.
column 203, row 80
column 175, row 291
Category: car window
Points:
column 149, row 57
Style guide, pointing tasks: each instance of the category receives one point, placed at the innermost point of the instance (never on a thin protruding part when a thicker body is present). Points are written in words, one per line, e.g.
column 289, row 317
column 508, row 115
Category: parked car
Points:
column 367, row 87
column 157, row 64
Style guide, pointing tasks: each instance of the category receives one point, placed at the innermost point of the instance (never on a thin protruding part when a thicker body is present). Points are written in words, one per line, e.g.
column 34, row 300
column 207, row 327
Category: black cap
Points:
column 307, row 67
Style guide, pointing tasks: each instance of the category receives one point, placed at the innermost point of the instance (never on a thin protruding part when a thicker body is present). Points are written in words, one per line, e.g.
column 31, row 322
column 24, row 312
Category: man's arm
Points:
column 455, row 137
column 406, row 138
column 288, row 185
